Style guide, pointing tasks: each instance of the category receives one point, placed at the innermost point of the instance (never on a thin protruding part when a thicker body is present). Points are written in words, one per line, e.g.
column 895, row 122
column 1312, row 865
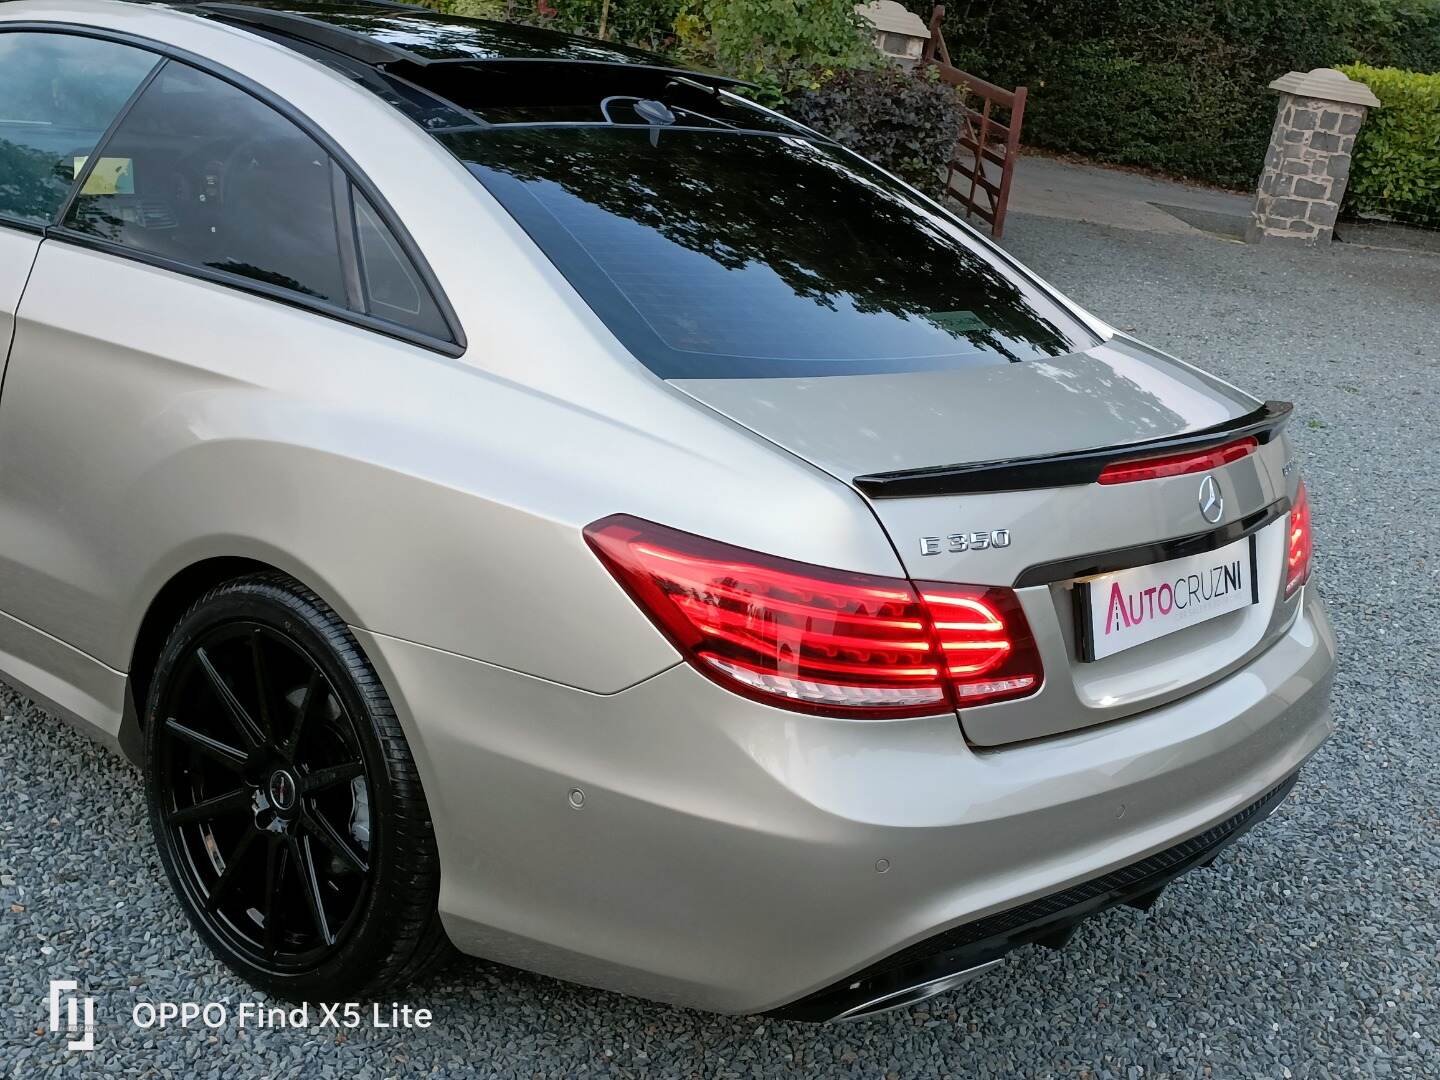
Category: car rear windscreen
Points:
column 721, row 255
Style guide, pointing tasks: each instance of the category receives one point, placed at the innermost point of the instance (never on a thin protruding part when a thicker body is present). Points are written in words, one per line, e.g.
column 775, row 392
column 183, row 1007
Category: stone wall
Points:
column 1306, row 169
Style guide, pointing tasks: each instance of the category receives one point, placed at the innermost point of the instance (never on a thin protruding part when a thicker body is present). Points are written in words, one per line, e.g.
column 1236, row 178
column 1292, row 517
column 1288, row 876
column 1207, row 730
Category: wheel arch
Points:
column 167, row 605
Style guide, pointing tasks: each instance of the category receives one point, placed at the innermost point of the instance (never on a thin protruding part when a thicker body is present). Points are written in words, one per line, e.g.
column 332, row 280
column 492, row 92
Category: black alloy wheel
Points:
column 284, row 799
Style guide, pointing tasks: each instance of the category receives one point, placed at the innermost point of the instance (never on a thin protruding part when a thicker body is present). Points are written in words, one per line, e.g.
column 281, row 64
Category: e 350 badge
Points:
column 964, row 541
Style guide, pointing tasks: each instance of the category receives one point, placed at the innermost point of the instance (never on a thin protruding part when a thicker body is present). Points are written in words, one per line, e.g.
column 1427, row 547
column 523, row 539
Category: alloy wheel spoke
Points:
column 262, row 686
column 239, row 801
column 323, row 779
column 236, row 711
column 275, row 862
column 228, row 876
column 223, row 753
column 320, row 828
column 307, row 702
column 304, row 860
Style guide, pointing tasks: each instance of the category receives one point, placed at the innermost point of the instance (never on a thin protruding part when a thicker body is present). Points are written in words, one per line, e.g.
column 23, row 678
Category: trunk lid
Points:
column 1115, row 394
column 851, row 425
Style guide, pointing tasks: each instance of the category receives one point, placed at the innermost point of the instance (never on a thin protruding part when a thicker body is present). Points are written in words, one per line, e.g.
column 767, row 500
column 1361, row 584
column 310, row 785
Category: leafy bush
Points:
column 650, row 24
column 1395, row 170
column 780, row 45
column 1174, row 85
column 902, row 120
column 472, row 9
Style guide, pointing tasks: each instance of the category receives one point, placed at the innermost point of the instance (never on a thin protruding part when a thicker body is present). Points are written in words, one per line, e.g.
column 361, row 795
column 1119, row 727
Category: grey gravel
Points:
column 1312, row 949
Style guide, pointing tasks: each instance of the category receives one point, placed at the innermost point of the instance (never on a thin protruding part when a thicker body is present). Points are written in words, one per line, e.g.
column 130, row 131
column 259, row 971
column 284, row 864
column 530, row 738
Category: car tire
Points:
column 284, row 799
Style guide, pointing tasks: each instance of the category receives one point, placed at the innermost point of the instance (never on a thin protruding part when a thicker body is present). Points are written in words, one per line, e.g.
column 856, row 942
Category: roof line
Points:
column 345, row 42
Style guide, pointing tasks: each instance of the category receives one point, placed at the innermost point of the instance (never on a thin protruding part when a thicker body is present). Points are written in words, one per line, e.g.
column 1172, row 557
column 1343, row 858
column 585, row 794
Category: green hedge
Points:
column 1175, row 85
column 1396, row 167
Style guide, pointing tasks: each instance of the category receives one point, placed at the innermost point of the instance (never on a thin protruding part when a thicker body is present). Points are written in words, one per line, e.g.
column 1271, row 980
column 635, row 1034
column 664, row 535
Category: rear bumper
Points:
column 913, row 973
column 728, row 856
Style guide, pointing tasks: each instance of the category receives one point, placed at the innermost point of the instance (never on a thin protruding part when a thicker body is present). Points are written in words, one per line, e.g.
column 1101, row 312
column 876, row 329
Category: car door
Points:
column 17, row 255
column 215, row 273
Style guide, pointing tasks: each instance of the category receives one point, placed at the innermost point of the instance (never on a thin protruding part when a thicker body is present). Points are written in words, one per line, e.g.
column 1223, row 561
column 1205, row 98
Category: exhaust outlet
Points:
column 898, row 999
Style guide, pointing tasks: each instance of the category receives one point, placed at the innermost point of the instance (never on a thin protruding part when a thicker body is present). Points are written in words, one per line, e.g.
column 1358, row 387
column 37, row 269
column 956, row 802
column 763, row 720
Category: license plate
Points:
column 1130, row 607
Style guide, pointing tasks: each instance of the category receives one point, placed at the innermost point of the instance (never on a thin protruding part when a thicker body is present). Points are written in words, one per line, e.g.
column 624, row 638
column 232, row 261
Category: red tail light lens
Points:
column 1298, row 545
column 1127, row 472
column 985, row 642
column 817, row 640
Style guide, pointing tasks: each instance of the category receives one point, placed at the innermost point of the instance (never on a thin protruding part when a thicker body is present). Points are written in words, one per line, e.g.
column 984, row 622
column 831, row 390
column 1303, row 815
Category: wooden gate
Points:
column 982, row 161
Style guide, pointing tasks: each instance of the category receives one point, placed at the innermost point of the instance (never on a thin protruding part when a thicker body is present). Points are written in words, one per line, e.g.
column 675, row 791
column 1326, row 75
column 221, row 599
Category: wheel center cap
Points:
column 282, row 790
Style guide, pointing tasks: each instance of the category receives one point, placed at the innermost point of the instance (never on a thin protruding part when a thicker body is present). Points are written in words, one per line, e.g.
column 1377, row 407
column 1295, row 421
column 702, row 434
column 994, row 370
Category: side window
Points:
column 393, row 287
column 58, row 94
column 201, row 173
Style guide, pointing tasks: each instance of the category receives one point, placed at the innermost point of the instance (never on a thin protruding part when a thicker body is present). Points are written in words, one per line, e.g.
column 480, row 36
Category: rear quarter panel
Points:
column 421, row 496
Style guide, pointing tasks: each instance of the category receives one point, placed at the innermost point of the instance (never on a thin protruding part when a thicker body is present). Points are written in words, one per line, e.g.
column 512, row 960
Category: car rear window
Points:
column 718, row 255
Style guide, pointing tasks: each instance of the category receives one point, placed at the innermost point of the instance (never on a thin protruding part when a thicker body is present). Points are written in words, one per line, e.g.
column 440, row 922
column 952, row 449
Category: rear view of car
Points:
column 792, row 603
column 1096, row 639
column 1102, row 552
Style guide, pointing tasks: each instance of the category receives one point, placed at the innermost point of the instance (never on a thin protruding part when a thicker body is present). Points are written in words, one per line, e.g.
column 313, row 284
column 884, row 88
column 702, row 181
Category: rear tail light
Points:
column 1298, row 544
column 817, row 640
column 1127, row 472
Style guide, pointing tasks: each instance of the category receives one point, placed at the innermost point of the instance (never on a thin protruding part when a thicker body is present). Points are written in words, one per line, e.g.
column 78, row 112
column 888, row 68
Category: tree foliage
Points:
column 780, row 45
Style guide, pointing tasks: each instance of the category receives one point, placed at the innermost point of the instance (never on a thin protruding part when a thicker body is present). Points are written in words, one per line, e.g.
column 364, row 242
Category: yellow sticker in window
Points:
column 112, row 176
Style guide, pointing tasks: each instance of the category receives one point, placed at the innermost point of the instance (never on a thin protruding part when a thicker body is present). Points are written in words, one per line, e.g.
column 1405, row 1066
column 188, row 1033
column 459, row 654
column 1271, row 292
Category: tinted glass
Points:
column 394, row 289
column 724, row 256
column 419, row 106
column 201, row 173
column 58, row 94
column 560, row 92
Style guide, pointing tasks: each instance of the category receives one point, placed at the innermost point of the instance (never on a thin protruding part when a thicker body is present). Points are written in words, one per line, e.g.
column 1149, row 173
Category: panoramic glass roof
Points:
column 447, row 73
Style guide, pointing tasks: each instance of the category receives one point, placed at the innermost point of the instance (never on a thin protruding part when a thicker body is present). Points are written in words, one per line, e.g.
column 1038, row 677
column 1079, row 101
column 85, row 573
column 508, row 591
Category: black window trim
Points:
column 7, row 222
column 454, row 347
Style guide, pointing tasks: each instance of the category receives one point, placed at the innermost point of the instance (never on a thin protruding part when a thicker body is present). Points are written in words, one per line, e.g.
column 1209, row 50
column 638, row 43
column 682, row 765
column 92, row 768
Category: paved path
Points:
column 1053, row 188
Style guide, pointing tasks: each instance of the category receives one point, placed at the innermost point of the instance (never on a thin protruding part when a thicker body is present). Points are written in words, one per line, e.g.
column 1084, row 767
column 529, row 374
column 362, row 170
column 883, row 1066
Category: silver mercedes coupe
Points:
column 511, row 495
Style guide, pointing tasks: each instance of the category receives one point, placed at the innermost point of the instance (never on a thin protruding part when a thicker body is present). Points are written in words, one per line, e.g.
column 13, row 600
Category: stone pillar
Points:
column 1308, row 163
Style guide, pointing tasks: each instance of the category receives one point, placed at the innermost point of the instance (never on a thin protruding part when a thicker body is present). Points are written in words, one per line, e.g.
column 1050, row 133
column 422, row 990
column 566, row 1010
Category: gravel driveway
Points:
column 1310, row 949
